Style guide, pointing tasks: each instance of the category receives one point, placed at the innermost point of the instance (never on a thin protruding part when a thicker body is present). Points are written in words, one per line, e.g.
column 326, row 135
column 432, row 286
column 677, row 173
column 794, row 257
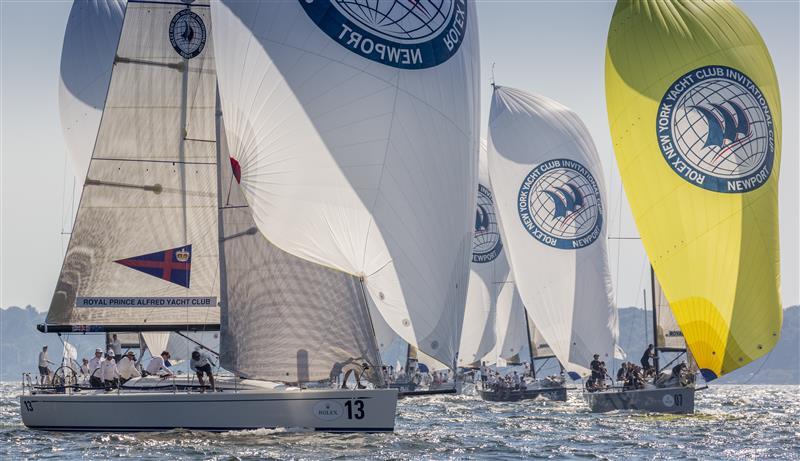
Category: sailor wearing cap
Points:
column 95, row 379
column 201, row 364
column 108, row 370
column 127, row 367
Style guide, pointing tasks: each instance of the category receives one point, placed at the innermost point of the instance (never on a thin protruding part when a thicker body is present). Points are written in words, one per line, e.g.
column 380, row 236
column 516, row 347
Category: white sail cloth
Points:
column 150, row 188
column 87, row 56
column 551, row 200
column 510, row 327
column 488, row 267
column 360, row 155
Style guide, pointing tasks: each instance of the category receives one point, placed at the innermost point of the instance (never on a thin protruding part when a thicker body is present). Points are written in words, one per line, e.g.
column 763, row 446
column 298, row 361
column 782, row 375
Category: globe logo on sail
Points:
column 407, row 34
column 560, row 205
column 187, row 33
column 715, row 130
column 486, row 242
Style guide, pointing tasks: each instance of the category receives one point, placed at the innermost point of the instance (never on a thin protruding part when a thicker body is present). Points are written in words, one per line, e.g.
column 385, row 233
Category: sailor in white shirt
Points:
column 200, row 363
column 84, row 370
column 44, row 368
column 157, row 364
column 516, row 380
column 127, row 367
column 116, row 346
column 95, row 378
column 108, row 370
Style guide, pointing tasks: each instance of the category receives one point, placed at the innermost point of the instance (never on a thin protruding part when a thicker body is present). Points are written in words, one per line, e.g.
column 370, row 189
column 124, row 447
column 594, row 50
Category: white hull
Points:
column 330, row 410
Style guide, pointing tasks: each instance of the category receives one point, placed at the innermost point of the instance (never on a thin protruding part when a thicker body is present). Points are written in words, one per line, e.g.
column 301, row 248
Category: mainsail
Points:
column 549, row 191
column 143, row 251
column 87, row 57
column 354, row 128
column 694, row 110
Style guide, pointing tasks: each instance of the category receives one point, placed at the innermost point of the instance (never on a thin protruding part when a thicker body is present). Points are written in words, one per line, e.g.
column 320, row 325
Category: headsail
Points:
column 87, row 57
column 150, row 192
column 550, row 195
column 488, row 267
column 357, row 146
column 283, row 318
column 694, row 110
column 539, row 347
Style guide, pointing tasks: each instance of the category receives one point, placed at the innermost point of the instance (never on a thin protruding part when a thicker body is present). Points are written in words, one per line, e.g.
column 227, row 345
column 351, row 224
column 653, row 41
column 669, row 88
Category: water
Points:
column 731, row 422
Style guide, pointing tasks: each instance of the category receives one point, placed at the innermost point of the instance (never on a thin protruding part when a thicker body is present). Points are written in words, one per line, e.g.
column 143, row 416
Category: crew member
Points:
column 116, row 346
column 44, row 366
column 95, row 378
column 646, row 356
column 127, row 368
column 108, row 371
column 200, row 363
column 157, row 364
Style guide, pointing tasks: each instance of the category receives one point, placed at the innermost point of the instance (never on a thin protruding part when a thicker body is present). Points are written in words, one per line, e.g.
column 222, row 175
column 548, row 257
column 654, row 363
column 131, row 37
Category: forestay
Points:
column 695, row 116
column 87, row 56
column 355, row 129
column 550, row 195
column 143, row 250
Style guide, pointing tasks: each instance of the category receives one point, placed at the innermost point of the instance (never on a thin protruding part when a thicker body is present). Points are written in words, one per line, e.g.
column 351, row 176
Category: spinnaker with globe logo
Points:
column 497, row 329
column 550, row 196
column 695, row 117
column 355, row 126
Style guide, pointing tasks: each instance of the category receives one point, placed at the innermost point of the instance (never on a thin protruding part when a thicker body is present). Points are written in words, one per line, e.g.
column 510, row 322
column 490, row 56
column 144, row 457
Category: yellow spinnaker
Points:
column 694, row 110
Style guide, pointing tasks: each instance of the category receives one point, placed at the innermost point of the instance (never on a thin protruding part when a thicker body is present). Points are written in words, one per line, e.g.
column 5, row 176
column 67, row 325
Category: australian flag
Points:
column 172, row 265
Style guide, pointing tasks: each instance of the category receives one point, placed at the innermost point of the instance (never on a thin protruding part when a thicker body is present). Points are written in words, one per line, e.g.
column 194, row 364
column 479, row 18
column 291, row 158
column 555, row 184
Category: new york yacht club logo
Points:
column 486, row 242
column 187, row 33
column 560, row 205
column 715, row 130
column 407, row 34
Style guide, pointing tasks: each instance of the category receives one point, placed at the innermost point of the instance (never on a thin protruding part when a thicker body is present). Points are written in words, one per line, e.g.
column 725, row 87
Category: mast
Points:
column 223, row 279
column 530, row 345
column 377, row 373
column 655, row 319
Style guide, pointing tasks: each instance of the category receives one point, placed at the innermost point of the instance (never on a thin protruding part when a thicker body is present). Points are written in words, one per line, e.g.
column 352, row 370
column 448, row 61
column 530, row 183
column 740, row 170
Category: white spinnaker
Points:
column 550, row 194
column 354, row 164
column 488, row 266
column 87, row 56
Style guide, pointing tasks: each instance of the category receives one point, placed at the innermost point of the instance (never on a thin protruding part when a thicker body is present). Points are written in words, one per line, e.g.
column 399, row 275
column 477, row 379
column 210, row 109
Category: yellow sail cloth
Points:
column 694, row 110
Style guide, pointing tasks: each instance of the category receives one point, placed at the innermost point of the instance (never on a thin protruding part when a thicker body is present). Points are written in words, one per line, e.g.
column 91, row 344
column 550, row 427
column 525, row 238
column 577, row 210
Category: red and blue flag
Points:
column 173, row 265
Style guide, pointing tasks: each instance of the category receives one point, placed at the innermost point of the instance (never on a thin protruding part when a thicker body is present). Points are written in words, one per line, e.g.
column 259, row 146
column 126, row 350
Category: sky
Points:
column 554, row 48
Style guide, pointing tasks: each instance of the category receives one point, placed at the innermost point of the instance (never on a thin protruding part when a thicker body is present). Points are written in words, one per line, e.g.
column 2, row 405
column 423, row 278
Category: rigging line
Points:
column 766, row 359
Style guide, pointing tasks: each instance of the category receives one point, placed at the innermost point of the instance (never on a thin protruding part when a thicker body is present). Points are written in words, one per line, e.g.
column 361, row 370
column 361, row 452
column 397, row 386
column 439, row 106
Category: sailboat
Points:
column 702, row 179
column 549, row 190
column 497, row 328
column 170, row 233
